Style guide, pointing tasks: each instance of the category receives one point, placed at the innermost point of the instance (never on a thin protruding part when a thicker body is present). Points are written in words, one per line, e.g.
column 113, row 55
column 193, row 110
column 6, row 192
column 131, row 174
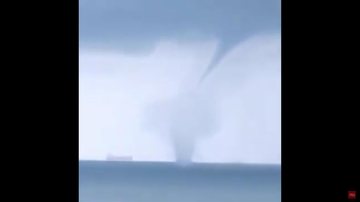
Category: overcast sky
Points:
column 142, row 56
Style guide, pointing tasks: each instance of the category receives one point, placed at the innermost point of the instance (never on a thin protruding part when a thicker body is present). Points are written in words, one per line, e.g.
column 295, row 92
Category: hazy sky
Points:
column 139, row 58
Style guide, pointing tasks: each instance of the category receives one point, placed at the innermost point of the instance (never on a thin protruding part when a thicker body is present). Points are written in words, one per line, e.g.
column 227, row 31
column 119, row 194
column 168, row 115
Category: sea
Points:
column 106, row 181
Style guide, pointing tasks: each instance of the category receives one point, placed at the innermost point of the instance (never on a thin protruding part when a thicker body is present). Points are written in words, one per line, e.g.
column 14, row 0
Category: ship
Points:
column 111, row 157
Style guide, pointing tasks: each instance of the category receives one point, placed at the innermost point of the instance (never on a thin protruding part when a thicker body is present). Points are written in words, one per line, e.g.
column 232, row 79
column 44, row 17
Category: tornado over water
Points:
column 188, row 117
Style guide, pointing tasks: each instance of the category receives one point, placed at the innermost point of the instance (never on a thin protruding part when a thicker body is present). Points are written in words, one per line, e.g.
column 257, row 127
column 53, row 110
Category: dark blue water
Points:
column 169, row 182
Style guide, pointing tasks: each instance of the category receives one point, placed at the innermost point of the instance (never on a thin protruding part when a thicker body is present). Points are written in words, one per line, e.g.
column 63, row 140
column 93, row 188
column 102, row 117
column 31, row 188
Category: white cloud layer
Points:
column 116, row 89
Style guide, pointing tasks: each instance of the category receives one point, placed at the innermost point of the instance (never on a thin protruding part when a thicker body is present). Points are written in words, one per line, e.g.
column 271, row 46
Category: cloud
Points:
column 142, row 22
column 115, row 90
column 134, row 53
column 135, row 26
column 116, row 93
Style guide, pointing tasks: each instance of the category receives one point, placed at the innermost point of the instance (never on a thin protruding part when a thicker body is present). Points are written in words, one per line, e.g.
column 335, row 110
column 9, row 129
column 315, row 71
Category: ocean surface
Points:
column 101, row 181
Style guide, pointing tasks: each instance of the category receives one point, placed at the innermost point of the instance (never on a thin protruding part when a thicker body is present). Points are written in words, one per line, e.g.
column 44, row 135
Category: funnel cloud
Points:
column 146, row 68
